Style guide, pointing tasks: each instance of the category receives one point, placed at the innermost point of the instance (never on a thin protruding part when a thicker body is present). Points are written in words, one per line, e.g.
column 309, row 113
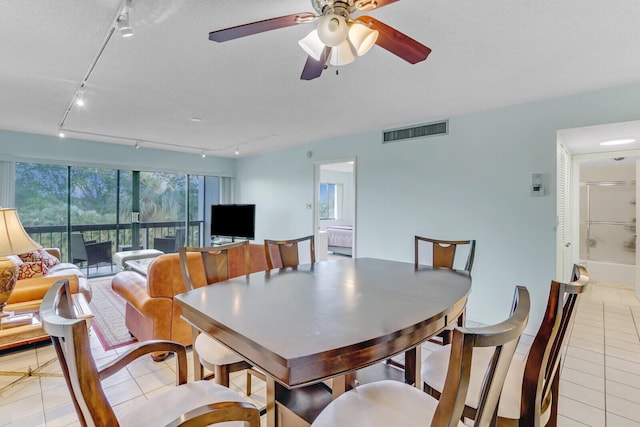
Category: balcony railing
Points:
column 119, row 234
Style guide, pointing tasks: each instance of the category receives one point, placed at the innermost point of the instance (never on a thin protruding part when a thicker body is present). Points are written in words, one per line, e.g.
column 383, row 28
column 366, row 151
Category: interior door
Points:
column 563, row 231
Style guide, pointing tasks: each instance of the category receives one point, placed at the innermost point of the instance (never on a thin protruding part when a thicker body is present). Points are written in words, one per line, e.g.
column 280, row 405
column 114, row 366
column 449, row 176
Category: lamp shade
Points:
column 332, row 29
column 13, row 238
column 362, row 37
column 312, row 45
column 342, row 54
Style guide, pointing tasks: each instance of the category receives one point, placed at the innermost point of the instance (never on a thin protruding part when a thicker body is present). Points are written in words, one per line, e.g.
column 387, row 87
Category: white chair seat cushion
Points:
column 434, row 372
column 383, row 403
column 163, row 409
column 211, row 352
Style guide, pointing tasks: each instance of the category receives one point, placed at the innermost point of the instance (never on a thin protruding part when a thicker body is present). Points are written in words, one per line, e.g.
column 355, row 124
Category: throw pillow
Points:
column 40, row 255
column 27, row 270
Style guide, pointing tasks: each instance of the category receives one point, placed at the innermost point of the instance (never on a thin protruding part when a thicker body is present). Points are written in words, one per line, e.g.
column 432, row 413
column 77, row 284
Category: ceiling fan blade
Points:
column 372, row 4
column 396, row 42
column 260, row 26
column 312, row 68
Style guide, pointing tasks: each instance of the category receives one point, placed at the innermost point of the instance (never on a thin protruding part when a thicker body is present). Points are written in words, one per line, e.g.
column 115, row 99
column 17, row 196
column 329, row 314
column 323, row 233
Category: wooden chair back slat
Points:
column 214, row 263
column 504, row 338
column 444, row 252
column 543, row 360
column 288, row 252
column 71, row 342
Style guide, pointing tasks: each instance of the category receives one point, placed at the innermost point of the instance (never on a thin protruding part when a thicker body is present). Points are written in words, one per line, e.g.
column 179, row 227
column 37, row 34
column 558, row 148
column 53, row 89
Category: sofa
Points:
column 151, row 312
column 31, row 290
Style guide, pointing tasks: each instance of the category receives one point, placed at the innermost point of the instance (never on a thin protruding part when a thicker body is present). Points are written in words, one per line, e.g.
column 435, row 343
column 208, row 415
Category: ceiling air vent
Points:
column 428, row 129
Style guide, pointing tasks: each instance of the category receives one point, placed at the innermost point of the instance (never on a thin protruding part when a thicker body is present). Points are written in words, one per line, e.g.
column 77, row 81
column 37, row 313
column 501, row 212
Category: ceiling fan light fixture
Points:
column 312, row 45
column 366, row 4
column 342, row 55
column 362, row 37
column 332, row 29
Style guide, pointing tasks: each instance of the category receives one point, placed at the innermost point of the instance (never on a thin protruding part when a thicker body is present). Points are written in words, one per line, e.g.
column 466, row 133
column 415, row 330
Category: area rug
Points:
column 108, row 310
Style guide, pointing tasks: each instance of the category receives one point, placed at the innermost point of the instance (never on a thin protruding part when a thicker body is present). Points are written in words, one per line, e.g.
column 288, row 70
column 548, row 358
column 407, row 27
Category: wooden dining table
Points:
column 329, row 319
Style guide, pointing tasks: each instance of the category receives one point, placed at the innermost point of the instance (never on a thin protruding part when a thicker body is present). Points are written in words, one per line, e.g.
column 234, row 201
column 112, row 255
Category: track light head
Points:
column 123, row 22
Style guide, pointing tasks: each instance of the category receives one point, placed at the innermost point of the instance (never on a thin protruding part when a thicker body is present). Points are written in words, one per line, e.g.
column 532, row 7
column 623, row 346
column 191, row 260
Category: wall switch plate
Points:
column 537, row 187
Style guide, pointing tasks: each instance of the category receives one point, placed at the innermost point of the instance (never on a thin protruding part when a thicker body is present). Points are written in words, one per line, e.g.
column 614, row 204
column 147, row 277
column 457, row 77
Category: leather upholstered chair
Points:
column 284, row 253
column 530, row 393
column 197, row 403
column 151, row 311
column 394, row 403
column 207, row 352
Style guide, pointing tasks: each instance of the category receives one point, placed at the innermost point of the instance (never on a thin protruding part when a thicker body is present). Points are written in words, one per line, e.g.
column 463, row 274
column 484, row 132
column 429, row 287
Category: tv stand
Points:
column 219, row 241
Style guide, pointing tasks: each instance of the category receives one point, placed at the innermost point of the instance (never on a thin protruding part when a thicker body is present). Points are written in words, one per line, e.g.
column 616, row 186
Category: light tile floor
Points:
column 600, row 378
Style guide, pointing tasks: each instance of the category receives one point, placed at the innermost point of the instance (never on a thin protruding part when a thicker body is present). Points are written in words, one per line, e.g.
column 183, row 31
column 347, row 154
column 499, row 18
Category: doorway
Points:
column 607, row 218
column 335, row 209
column 596, row 201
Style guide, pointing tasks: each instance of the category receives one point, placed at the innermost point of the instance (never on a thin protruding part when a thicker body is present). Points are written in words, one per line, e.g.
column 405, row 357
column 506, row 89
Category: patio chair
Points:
column 90, row 251
column 197, row 403
column 170, row 244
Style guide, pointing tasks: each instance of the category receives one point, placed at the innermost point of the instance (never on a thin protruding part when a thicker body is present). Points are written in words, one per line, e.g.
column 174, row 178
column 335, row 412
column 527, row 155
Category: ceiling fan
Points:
column 337, row 36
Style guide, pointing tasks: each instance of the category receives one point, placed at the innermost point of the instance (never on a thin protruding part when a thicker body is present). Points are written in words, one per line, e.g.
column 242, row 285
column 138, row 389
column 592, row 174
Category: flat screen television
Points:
column 233, row 221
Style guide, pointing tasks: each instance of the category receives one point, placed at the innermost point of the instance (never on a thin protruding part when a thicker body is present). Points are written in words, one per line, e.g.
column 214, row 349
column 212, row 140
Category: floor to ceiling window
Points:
column 41, row 194
column 101, row 204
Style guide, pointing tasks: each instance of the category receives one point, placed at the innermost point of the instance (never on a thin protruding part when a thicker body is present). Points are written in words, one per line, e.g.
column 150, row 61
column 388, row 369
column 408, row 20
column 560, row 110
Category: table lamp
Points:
column 13, row 240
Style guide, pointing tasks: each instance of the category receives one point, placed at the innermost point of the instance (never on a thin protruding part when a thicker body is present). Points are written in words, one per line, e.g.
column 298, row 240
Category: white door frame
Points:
column 316, row 209
column 574, row 214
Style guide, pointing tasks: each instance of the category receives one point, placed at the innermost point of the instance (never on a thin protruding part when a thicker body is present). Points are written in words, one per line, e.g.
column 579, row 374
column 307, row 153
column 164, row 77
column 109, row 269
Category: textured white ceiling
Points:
column 588, row 139
column 247, row 92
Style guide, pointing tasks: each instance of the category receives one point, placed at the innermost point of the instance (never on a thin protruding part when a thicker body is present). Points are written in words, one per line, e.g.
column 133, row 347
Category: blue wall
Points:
column 470, row 184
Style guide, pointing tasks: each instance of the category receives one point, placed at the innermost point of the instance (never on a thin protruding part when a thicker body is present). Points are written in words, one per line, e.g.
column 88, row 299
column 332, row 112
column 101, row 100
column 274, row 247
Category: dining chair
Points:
column 442, row 254
column 394, row 403
column 451, row 254
column 530, row 393
column 284, row 253
column 208, row 352
column 197, row 403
